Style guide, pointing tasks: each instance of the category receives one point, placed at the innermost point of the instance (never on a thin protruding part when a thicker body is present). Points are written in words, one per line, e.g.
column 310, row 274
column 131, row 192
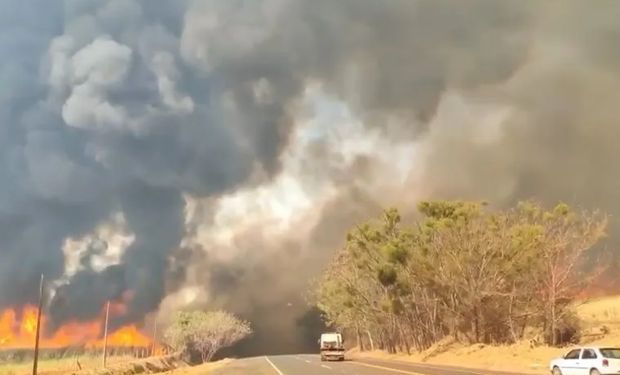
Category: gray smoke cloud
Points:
column 101, row 114
column 138, row 107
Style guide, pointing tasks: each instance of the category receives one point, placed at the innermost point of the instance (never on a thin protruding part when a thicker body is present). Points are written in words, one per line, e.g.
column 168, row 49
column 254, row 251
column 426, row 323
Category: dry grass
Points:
column 117, row 365
column 152, row 365
column 601, row 325
column 600, row 311
column 58, row 366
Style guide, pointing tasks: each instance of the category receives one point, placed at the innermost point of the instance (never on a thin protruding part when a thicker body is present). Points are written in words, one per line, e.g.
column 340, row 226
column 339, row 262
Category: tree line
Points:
column 463, row 271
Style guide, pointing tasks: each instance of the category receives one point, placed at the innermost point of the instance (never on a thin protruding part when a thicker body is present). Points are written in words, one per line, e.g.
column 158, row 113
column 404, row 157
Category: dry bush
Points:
column 568, row 330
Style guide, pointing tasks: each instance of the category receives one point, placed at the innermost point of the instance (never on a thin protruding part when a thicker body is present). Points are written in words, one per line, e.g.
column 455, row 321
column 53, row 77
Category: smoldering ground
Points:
column 131, row 109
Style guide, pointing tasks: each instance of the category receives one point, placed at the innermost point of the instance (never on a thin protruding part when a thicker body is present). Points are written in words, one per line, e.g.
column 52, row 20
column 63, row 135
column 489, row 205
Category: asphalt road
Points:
column 305, row 364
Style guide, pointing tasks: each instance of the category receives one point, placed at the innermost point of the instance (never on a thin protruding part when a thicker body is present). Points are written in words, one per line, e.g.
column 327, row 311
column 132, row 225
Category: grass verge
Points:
column 92, row 366
column 59, row 366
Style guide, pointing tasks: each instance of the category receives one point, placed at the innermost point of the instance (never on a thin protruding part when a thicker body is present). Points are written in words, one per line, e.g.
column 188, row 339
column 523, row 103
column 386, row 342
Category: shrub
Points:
column 568, row 329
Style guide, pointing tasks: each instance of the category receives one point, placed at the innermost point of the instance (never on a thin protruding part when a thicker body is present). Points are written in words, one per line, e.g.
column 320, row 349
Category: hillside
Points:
column 600, row 323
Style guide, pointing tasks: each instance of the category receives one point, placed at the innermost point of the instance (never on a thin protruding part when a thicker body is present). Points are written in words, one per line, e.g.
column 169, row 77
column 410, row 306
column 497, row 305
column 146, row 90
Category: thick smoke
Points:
column 102, row 114
column 176, row 122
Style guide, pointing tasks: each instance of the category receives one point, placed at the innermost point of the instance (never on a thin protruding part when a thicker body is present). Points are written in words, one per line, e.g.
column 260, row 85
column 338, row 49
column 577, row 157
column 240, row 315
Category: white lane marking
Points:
column 439, row 367
column 327, row 367
column 274, row 366
column 306, row 361
column 298, row 357
column 386, row 368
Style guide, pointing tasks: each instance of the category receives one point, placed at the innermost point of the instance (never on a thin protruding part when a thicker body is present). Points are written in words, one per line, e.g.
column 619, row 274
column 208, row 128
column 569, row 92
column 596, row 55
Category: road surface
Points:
column 305, row 364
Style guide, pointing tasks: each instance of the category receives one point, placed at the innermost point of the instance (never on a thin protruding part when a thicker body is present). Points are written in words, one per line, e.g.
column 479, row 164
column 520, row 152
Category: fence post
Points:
column 35, row 362
column 154, row 337
column 105, row 334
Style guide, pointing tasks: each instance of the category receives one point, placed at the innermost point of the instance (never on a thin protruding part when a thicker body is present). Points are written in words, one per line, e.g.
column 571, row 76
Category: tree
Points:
column 205, row 332
column 462, row 270
column 565, row 238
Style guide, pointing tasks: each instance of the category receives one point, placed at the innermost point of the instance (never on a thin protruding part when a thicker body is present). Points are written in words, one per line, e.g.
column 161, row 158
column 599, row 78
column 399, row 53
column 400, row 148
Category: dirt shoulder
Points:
column 600, row 326
column 514, row 358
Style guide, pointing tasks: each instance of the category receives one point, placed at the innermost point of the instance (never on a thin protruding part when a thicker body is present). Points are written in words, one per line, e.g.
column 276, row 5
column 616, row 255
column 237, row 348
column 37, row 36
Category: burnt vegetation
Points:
column 463, row 271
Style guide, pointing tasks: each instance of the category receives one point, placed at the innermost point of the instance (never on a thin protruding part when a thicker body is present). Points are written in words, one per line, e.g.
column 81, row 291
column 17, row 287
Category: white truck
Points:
column 331, row 346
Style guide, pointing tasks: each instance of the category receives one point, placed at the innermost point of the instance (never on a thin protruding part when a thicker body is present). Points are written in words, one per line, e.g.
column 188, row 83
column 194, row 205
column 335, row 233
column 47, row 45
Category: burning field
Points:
column 18, row 332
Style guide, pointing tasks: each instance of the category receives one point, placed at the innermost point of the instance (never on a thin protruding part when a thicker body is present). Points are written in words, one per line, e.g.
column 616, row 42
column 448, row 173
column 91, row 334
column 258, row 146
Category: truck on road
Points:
column 331, row 346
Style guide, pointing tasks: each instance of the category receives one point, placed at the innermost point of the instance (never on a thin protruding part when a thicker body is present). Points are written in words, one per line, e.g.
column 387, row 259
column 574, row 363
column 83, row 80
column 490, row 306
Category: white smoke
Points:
column 102, row 248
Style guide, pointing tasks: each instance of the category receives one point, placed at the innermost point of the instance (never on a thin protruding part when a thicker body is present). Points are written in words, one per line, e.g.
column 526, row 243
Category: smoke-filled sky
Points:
column 214, row 152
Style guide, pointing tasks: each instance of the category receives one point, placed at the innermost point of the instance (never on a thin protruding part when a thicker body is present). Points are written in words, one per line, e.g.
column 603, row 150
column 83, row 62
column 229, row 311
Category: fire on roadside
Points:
column 18, row 331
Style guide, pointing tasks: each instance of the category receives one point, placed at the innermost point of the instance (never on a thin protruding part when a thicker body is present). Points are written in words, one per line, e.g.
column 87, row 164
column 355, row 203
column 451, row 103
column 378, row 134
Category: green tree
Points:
column 462, row 270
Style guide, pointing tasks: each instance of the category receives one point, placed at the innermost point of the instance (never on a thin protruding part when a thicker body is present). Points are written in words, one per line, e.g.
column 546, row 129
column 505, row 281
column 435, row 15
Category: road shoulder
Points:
column 433, row 368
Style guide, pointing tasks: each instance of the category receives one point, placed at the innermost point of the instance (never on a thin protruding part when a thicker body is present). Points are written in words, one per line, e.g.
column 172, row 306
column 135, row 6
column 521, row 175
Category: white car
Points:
column 589, row 360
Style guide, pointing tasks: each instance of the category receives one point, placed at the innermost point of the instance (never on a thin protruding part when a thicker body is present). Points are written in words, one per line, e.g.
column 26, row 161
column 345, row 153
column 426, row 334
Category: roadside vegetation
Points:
column 599, row 325
column 195, row 337
column 463, row 273
column 17, row 366
column 200, row 335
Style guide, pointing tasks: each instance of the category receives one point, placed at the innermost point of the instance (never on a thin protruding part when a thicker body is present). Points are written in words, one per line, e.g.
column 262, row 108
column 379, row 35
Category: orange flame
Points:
column 18, row 331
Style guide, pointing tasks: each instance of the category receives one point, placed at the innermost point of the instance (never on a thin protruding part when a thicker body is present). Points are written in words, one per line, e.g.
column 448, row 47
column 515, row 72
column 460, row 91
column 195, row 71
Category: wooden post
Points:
column 105, row 334
column 35, row 362
column 154, row 337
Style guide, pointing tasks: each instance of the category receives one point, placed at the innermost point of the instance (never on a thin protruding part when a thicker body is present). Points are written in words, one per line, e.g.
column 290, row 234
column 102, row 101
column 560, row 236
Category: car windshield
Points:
column 611, row 352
